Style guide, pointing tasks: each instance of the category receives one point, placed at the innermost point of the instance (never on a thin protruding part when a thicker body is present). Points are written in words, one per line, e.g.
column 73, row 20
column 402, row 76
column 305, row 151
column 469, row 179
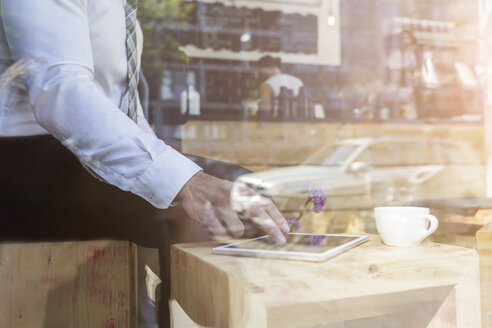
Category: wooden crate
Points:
column 68, row 284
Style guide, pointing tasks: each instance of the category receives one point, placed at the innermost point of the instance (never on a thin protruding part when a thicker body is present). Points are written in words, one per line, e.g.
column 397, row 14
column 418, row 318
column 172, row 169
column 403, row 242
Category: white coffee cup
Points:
column 404, row 226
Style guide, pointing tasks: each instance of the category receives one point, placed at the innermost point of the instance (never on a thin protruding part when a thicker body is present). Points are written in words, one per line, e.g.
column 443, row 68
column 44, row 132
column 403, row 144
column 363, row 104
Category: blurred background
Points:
column 379, row 102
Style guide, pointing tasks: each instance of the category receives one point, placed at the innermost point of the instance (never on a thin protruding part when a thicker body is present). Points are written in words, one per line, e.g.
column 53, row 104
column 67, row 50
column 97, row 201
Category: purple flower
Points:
column 318, row 195
column 318, row 240
column 312, row 241
column 291, row 220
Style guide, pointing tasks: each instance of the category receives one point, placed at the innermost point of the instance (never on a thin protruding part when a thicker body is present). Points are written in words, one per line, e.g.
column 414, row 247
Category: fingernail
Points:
column 285, row 228
column 280, row 239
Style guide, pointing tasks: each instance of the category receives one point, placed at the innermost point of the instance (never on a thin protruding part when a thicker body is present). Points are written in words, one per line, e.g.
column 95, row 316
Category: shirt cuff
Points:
column 165, row 177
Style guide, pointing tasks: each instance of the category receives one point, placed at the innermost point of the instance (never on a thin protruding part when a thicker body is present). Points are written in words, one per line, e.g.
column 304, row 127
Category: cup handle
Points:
column 434, row 223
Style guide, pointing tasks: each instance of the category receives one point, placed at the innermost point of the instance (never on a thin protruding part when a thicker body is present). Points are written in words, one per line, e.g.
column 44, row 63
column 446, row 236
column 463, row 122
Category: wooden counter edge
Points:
column 484, row 249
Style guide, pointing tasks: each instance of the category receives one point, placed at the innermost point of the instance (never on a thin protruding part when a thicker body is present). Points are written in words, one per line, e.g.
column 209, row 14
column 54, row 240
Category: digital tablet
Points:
column 299, row 246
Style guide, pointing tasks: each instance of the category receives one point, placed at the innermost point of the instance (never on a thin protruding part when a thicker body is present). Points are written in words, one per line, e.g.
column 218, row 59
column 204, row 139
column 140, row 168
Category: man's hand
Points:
column 207, row 200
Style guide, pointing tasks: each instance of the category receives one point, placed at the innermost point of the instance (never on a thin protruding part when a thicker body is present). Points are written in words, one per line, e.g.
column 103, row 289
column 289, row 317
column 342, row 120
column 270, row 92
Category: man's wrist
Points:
column 164, row 178
column 181, row 196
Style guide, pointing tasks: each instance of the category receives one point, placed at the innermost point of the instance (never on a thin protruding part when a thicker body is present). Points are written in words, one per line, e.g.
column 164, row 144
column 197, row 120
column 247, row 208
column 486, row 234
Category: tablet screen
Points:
column 304, row 243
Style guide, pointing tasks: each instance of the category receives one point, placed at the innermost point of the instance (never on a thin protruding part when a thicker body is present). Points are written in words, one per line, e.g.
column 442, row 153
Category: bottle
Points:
column 291, row 100
column 284, row 103
column 294, row 107
column 319, row 111
column 165, row 92
column 302, row 104
column 190, row 98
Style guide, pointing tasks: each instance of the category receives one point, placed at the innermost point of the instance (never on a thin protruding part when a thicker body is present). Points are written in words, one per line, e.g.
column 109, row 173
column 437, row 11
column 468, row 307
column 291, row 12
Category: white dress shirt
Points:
column 278, row 81
column 65, row 69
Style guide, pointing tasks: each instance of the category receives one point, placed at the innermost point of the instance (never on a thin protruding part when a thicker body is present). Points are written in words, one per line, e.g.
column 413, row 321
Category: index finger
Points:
column 263, row 221
column 277, row 217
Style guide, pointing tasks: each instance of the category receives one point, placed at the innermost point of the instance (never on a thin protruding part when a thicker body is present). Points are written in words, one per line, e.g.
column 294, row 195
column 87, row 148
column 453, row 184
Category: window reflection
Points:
column 328, row 109
column 286, row 84
column 375, row 103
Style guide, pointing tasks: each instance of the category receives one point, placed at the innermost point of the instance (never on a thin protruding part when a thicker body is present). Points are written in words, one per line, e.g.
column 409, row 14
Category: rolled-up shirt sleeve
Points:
column 69, row 104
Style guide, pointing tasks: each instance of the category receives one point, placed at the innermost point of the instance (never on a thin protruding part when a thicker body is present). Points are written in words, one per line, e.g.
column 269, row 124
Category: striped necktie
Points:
column 131, row 54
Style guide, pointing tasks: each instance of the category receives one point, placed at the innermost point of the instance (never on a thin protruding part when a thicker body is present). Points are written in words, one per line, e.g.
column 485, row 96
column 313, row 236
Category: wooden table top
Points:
column 371, row 276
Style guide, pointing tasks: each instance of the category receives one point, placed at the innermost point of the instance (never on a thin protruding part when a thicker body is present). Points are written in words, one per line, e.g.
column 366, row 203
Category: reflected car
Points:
column 362, row 173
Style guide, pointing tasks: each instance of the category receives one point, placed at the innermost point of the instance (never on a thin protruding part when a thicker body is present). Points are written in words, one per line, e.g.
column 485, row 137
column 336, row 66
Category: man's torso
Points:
column 107, row 27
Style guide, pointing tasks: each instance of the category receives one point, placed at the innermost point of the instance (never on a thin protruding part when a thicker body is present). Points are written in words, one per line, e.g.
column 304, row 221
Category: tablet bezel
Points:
column 316, row 257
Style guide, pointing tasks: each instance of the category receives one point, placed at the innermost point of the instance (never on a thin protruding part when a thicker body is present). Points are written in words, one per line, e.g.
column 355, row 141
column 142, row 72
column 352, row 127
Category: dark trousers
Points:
column 46, row 195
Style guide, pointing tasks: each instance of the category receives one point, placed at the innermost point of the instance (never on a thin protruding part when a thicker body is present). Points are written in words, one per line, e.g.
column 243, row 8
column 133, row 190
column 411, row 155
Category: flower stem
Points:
column 306, row 203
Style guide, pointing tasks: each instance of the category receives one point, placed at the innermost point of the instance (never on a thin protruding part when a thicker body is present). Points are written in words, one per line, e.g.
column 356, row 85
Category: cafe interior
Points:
column 392, row 98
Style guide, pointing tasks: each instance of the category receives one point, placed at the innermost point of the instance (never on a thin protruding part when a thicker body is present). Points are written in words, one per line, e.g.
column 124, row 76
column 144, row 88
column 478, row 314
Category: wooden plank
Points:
column 484, row 248
column 371, row 284
column 68, row 284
